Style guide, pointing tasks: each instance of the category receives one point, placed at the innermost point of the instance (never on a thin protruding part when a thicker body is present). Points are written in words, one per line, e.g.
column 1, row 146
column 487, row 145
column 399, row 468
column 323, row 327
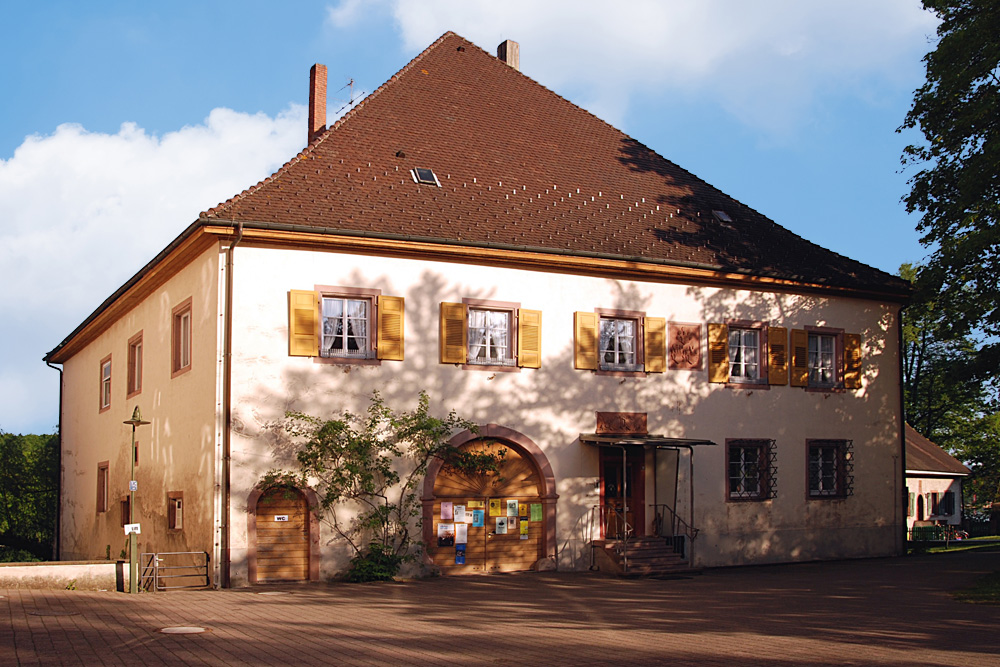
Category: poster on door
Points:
column 524, row 530
column 496, row 507
column 511, row 508
column 461, row 533
column 447, row 511
column 478, row 518
column 461, row 515
column 501, row 525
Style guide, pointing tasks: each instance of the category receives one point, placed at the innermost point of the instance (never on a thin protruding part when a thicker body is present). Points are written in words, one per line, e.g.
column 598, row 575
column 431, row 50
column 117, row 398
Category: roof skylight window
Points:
column 424, row 176
column 722, row 216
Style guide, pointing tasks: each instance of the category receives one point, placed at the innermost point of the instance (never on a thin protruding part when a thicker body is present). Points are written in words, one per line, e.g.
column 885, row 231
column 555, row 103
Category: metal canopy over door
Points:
column 486, row 550
column 282, row 536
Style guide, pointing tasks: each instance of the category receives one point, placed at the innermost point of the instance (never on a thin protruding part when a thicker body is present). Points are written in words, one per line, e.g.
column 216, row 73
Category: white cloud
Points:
column 83, row 211
column 765, row 62
column 346, row 14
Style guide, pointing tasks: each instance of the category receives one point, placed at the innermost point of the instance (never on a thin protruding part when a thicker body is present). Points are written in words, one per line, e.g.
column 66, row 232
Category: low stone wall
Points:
column 90, row 575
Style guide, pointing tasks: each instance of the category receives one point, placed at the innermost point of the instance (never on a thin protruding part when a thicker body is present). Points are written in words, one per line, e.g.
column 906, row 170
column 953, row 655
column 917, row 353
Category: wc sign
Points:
column 281, row 517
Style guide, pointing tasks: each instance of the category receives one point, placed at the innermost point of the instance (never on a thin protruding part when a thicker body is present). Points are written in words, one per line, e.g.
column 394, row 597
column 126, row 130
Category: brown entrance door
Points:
column 620, row 480
column 282, row 536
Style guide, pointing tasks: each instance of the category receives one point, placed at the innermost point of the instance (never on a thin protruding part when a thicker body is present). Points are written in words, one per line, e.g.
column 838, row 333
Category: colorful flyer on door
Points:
column 496, row 507
column 475, row 504
column 478, row 518
column 447, row 511
column 459, row 554
column 460, row 515
column 501, row 525
column 446, row 530
column 511, row 508
column 536, row 511
column 461, row 533
column 524, row 530
column 522, row 510
column 512, row 523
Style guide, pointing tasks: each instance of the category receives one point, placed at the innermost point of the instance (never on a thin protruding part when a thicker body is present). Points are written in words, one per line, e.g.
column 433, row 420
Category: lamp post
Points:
column 133, row 539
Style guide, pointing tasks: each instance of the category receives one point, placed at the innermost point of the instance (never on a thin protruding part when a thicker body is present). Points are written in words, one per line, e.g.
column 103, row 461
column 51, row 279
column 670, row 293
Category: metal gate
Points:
column 174, row 569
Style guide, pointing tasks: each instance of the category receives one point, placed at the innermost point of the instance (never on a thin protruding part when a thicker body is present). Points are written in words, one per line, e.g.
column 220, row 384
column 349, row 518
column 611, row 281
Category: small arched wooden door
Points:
column 513, row 495
column 282, row 535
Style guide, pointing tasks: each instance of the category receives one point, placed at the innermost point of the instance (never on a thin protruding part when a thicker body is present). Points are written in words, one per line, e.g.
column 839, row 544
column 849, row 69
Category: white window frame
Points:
column 610, row 335
column 737, row 354
column 366, row 350
column 499, row 324
column 823, row 366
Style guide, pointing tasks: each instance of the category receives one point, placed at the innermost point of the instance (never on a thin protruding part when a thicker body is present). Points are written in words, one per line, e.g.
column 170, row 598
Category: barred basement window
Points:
column 831, row 468
column 752, row 469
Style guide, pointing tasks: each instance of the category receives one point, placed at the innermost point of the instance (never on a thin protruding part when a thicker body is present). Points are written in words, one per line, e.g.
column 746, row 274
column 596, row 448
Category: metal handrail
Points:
column 676, row 521
column 621, row 546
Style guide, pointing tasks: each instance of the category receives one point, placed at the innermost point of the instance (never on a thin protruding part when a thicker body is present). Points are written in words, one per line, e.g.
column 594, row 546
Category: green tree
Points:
column 956, row 189
column 945, row 398
column 29, row 478
column 366, row 470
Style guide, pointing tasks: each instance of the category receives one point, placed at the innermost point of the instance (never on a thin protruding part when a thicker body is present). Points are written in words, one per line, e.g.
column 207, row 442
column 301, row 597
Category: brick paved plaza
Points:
column 884, row 611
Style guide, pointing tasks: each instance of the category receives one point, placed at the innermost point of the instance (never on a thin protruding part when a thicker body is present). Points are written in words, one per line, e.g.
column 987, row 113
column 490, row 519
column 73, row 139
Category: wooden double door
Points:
column 515, row 542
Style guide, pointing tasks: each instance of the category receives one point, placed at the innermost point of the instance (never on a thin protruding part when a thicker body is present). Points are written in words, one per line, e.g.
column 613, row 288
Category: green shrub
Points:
column 378, row 563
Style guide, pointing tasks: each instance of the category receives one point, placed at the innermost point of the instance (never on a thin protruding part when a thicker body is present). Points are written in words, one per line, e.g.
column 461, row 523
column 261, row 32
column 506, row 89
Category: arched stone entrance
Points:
column 282, row 535
column 464, row 509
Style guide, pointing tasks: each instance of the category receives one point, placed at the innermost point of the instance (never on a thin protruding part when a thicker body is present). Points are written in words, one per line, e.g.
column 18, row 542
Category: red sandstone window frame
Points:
column 103, row 485
column 134, row 381
column 181, row 345
column 638, row 318
column 761, row 381
column 104, row 388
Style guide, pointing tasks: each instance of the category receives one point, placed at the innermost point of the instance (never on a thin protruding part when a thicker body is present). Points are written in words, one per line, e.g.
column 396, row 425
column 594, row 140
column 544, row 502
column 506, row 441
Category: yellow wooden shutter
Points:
column 800, row 358
column 585, row 341
column 718, row 353
column 777, row 355
column 655, row 340
column 852, row 361
column 453, row 333
column 303, row 323
column 390, row 328
column 529, row 338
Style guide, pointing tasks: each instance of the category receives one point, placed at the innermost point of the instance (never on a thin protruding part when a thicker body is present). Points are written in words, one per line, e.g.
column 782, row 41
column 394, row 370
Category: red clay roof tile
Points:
column 520, row 165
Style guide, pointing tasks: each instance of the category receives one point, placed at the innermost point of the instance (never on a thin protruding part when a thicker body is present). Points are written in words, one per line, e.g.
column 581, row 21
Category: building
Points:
column 658, row 358
column 933, row 484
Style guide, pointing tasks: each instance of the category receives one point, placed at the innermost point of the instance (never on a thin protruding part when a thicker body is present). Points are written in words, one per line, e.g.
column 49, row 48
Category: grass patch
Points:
column 985, row 590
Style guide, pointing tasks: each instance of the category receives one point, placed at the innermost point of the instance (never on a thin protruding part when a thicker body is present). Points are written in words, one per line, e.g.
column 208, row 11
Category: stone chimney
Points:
column 317, row 101
column 510, row 53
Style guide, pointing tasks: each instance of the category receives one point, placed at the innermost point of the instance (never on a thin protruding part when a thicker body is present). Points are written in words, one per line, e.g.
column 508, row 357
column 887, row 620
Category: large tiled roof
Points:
column 521, row 166
column 924, row 456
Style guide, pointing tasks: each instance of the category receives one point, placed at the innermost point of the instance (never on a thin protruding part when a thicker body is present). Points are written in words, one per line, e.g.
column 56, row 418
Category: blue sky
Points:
column 121, row 121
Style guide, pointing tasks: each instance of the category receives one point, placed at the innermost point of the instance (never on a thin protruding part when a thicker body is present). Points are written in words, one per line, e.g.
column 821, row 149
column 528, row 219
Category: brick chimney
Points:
column 317, row 101
column 510, row 53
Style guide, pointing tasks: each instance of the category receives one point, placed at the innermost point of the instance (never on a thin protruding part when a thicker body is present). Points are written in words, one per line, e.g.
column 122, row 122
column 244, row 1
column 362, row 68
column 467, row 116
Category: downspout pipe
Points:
column 58, row 527
column 227, row 410
column 901, row 494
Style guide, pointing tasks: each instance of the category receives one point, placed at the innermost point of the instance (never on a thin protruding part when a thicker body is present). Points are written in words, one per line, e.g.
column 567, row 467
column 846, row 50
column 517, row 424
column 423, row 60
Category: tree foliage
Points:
column 945, row 399
column 366, row 470
column 956, row 189
column 29, row 478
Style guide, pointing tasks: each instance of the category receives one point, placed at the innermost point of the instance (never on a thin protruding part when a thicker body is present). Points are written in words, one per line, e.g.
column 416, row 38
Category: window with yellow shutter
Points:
column 620, row 342
column 345, row 325
column 491, row 335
